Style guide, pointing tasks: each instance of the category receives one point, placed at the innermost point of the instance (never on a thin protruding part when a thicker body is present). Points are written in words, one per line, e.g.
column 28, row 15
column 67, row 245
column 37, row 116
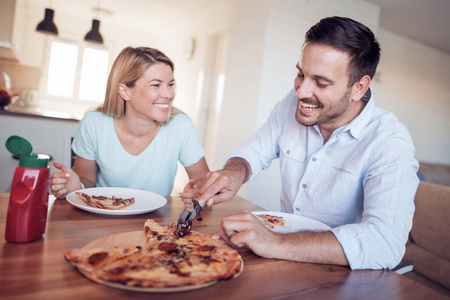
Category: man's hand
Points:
column 62, row 183
column 218, row 186
column 246, row 230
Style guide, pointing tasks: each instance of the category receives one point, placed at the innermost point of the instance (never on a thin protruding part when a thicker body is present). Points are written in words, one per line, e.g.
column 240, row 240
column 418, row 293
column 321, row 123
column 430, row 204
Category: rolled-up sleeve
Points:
column 390, row 184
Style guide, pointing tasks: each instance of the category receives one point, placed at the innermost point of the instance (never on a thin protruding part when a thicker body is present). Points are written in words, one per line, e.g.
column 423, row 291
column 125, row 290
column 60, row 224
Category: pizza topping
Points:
column 179, row 272
column 96, row 258
column 209, row 260
column 206, row 248
column 100, row 197
column 118, row 270
column 168, row 247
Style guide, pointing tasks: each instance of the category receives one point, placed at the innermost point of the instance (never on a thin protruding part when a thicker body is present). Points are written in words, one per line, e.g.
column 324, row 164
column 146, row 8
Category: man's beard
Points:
column 331, row 113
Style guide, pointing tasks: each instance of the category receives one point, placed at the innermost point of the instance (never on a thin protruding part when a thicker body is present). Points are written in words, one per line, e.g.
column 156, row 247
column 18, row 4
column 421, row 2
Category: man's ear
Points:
column 123, row 91
column 360, row 88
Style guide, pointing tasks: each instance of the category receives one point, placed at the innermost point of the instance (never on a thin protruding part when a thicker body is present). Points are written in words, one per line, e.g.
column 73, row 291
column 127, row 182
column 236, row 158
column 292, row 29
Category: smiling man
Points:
column 343, row 160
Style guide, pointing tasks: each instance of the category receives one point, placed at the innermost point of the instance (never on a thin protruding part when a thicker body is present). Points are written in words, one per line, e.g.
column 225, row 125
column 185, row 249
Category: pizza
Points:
column 165, row 261
column 91, row 259
column 271, row 221
column 103, row 202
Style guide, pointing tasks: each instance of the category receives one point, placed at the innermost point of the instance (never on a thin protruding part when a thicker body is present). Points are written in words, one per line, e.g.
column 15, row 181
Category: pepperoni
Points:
column 118, row 270
column 168, row 247
column 100, row 197
column 206, row 248
column 97, row 258
column 117, row 202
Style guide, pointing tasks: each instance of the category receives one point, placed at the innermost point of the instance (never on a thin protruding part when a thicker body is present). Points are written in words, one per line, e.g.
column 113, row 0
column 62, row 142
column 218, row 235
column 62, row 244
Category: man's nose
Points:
column 304, row 89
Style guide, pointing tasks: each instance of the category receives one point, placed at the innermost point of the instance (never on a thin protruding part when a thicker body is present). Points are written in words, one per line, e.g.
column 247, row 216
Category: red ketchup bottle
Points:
column 28, row 201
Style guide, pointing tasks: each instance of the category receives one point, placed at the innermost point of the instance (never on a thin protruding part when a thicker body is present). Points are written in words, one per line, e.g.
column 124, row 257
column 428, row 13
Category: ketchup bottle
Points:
column 28, row 201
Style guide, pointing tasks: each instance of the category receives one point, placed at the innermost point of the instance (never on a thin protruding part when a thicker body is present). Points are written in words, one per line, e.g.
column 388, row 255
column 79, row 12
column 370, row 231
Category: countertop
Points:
column 39, row 112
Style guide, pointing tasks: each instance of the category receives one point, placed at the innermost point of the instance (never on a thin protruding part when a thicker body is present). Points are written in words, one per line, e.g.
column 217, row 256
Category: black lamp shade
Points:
column 94, row 34
column 47, row 26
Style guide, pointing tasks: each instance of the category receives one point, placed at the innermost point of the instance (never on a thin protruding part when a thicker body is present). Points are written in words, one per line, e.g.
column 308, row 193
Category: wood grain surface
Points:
column 38, row 270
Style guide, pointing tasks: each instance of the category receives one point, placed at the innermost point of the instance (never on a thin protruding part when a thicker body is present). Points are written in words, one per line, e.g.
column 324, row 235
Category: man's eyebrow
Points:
column 324, row 78
column 316, row 76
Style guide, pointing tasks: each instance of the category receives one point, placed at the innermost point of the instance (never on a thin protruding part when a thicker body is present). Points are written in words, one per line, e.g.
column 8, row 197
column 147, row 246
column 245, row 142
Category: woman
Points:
column 135, row 139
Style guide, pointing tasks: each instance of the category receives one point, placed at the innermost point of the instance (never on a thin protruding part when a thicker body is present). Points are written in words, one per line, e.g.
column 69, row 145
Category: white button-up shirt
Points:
column 361, row 182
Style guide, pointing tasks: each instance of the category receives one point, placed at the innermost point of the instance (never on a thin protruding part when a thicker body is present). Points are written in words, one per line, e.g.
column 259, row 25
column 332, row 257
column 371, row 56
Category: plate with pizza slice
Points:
column 116, row 201
column 285, row 222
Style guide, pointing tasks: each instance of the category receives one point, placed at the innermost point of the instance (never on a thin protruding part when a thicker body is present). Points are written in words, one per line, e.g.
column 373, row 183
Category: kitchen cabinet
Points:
column 49, row 135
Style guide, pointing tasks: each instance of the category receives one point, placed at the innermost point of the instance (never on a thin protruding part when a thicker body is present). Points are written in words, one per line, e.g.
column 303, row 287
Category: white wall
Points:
column 264, row 41
column 413, row 82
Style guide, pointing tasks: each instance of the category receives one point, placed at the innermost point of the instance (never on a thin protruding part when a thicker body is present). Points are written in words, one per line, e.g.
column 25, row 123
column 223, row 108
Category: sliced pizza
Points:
column 271, row 221
column 103, row 202
column 91, row 259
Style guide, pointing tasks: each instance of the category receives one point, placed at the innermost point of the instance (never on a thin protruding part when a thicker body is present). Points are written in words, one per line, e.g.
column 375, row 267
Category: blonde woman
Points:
column 136, row 138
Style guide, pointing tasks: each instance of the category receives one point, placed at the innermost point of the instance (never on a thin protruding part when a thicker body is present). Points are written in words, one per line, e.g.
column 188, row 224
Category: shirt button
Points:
column 288, row 152
column 303, row 185
column 314, row 159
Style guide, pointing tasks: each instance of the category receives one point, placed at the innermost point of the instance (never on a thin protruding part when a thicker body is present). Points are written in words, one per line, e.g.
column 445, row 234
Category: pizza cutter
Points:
column 184, row 224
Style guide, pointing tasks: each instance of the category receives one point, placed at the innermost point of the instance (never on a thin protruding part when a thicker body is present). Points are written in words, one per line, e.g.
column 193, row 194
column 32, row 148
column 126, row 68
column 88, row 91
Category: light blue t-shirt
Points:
column 153, row 169
column 361, row 182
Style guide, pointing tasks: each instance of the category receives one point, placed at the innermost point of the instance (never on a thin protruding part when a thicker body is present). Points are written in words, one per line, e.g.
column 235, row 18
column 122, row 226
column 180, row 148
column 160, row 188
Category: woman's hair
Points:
column 352, row 37
column 128, row 67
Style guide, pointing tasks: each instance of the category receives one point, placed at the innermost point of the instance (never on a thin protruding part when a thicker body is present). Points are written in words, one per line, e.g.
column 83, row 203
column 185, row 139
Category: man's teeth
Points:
column 161, row 105
column 308, row 106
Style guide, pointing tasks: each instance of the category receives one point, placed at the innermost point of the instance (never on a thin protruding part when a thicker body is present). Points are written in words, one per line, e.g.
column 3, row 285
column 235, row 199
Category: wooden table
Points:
column 38, row 270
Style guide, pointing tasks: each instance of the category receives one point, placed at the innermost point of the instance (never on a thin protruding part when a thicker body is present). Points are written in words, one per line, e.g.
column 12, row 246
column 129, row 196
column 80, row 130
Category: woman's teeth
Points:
column 161, row 105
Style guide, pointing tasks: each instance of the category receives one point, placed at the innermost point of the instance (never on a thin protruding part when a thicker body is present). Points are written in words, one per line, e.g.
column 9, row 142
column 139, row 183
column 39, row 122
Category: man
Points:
column 343, row 161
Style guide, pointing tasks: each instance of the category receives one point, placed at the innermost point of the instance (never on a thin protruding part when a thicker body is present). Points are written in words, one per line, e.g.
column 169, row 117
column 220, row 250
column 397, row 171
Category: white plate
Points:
column 294, row 223
column 145, row 201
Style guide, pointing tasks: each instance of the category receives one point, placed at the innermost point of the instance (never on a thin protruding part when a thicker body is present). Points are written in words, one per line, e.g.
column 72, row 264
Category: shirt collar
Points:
column 357, row 125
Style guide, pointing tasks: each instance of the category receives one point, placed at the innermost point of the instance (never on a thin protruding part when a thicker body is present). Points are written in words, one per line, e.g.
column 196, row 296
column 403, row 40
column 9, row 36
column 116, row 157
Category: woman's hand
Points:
column 64, row 182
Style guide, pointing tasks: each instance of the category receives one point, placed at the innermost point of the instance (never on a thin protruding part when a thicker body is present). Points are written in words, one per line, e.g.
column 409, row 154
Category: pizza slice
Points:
column 271, row 221
column 103, row 202
column 91, row 259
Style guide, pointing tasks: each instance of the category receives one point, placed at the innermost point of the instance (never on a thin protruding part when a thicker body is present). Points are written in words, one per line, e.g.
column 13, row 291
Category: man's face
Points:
column 321, row 85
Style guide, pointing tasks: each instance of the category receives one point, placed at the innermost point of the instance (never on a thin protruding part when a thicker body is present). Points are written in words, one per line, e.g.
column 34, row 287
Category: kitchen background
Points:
column 234, row 59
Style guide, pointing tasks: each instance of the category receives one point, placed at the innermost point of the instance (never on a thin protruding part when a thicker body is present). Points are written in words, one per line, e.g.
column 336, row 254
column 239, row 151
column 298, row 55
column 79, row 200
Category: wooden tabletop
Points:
column 38, row 270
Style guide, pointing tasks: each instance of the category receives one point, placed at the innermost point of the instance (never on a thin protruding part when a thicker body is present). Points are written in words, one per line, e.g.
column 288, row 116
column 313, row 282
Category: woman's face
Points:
column 153, row 93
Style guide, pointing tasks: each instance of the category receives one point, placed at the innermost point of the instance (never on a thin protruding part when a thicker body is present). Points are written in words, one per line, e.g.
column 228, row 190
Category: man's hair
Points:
column 352, row 37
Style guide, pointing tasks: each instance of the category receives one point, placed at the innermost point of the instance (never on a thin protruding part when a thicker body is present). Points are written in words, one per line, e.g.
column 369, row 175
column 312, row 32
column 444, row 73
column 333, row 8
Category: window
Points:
column 67, row 79
column 61, row 69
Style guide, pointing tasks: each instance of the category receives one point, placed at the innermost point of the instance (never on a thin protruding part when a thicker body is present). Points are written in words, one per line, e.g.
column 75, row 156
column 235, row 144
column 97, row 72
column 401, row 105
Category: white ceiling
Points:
column 426, row 21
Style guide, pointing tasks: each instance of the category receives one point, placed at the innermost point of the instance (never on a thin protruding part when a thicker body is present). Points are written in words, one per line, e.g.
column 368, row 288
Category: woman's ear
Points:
column 360, row 87
column 123, row 91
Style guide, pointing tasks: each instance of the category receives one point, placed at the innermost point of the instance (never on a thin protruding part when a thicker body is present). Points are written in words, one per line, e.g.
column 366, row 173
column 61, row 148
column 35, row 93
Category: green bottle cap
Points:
column 21, row 147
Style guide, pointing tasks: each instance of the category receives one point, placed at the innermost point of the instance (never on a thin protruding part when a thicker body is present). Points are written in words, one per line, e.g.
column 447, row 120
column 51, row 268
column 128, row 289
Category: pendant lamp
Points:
column 47, row 26
column 94, row 34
